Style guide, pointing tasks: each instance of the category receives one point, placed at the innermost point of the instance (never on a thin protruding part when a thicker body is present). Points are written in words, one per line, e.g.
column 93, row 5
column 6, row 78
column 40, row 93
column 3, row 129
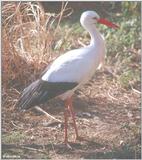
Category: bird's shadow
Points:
column 84, row 107
column 56, row 106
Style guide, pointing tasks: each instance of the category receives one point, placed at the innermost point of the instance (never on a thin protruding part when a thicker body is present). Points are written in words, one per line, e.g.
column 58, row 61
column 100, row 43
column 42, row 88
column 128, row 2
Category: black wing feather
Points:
column 41, row 91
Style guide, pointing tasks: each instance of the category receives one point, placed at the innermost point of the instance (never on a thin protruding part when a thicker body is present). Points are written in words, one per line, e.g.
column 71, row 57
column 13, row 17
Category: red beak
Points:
column 107, row 23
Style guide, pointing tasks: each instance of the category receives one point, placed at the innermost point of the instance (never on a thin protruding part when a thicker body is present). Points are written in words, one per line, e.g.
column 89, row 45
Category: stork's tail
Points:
column 31, row 96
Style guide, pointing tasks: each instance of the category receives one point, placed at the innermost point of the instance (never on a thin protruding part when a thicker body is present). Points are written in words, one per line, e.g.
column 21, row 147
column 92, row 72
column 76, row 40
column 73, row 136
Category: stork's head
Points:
column 89, row 18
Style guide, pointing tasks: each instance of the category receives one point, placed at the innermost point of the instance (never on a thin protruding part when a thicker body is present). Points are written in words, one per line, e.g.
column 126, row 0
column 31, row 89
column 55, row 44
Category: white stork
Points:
column 69, row 71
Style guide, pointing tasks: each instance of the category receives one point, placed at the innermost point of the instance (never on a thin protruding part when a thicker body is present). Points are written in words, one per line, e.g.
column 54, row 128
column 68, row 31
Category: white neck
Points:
column 95, row 34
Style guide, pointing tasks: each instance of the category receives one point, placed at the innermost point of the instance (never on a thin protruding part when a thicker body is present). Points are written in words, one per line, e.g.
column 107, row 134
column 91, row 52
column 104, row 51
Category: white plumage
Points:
column 75, row 65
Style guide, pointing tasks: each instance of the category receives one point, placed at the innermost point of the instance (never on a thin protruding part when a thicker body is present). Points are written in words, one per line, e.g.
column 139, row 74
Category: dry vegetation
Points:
column 110, row 103
column 27, row 42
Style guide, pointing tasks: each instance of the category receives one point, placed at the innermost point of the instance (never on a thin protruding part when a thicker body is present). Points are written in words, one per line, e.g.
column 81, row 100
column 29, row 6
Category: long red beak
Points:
column 108, row 23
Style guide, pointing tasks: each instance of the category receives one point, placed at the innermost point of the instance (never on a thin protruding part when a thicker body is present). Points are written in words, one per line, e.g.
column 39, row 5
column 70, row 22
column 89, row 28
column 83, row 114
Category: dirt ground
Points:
column 107, row 116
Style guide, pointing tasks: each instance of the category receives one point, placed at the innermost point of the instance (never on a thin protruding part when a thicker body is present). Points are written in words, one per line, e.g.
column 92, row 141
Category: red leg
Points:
column 66, row 125
column 70, row 107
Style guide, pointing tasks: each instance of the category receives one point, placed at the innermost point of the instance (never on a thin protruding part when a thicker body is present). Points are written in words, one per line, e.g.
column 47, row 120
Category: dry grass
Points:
column 28, row 38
